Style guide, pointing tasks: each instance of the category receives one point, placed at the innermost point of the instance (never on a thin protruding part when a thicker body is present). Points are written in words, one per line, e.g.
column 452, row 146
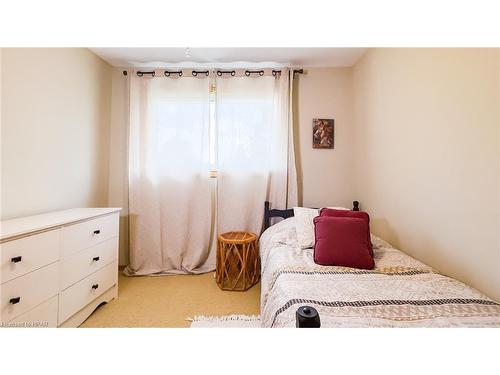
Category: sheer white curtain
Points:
column 254, row 149
column 170, row 199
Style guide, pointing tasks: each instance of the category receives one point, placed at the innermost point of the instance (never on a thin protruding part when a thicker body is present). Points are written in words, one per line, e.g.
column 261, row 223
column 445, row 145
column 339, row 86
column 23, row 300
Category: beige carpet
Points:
column 167, row 301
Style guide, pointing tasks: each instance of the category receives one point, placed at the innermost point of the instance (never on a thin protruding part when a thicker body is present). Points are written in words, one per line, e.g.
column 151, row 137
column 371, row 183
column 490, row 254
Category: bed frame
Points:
column 285, row 214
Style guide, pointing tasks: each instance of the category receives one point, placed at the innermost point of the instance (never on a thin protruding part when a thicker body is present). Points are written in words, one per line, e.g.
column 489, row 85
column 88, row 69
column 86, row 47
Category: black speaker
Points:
column 307, row 317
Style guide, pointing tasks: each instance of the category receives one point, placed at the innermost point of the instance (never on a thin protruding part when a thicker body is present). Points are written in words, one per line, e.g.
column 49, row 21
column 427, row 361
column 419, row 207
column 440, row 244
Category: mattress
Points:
column 399, row 292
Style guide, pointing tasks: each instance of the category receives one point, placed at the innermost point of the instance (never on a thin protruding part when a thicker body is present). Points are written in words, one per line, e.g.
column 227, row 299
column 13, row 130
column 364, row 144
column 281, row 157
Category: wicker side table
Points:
column 238, row 262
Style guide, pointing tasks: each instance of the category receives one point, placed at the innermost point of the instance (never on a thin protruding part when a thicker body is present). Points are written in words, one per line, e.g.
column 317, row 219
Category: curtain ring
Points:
column 195, row 73
column 220, row 72
column 259, row 72
column 167, row 73
column 141, row 73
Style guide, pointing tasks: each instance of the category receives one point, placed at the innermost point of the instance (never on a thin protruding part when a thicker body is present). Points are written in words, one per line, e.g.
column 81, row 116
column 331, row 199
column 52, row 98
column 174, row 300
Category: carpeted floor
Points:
column 167, row 301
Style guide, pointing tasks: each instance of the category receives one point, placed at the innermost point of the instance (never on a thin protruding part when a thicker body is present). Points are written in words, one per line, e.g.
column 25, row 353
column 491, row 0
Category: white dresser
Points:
column 56, row 268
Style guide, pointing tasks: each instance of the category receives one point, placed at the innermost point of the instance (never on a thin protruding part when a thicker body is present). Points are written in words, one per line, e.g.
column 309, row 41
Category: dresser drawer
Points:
column 43, row 316
column 26, row 292
column 80, row 265
column 88, row 233
column 83, row 292
column 28, row 254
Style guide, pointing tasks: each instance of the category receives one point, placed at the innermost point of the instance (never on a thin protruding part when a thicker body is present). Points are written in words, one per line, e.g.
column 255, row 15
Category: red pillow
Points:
column 344, row 213
column 342, row 241
column 347, row 213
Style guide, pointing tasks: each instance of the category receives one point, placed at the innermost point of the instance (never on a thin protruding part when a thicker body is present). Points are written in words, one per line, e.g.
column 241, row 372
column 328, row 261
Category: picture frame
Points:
column 323, row 133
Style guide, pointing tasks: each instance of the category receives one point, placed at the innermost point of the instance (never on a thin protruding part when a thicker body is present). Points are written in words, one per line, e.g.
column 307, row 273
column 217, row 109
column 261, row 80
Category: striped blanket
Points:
column 399, row 292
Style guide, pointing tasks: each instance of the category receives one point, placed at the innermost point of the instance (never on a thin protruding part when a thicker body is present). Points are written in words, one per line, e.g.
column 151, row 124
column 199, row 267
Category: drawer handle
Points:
column 16, row 259
column 95, row 259
column 15, row 300
column 97, row 231
column 95, row 286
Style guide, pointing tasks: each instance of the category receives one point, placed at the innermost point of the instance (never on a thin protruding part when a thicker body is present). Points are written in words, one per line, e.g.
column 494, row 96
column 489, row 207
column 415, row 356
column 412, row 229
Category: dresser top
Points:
column 25, row 225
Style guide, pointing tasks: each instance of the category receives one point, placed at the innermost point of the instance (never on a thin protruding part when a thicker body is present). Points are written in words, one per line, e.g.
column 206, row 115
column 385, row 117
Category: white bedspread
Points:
column 399, row 292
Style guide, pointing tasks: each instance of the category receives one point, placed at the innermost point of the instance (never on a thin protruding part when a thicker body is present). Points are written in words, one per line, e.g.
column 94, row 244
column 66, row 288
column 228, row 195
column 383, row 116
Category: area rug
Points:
column 226, row 321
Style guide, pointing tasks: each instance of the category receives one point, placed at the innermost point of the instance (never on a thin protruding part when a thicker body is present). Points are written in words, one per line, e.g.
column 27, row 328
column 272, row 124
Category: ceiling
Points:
column 191, row 57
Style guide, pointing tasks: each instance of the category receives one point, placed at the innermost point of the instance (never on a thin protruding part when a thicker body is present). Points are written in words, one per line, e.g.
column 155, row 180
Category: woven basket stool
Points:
column 238, row 262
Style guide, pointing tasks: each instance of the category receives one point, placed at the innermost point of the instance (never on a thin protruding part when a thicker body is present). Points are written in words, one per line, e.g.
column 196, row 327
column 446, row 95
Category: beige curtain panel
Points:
column 205, row 152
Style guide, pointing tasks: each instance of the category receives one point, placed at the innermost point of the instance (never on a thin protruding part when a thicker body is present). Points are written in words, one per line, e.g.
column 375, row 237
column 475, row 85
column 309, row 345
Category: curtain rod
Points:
column 219, row 72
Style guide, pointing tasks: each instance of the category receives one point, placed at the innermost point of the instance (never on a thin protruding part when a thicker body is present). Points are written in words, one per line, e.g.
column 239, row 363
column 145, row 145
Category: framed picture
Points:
column 323, row 133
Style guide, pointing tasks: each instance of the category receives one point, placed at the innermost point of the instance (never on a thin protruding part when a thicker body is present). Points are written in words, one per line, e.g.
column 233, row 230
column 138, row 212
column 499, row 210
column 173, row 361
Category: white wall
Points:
column 427, row 156
column 325, row 175
column 55, row 118
column 496, row 294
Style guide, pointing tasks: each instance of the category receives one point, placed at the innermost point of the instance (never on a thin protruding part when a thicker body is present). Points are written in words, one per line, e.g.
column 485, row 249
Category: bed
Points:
column 399, row 292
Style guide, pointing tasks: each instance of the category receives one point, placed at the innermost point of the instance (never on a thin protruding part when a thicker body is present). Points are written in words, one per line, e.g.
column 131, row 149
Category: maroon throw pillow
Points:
column 342, row 241
column 347, row 213
column 344, row 213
